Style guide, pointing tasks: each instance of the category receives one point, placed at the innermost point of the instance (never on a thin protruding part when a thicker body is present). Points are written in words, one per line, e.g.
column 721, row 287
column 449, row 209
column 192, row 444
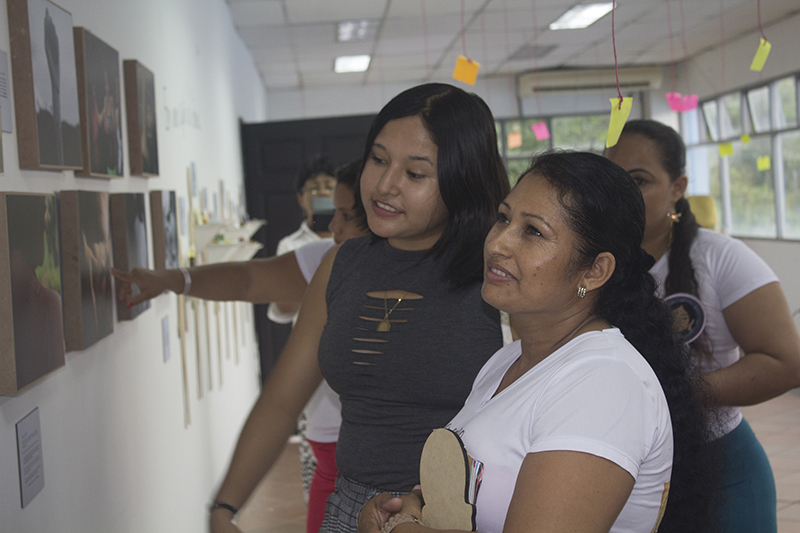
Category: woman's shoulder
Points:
column 726, row 257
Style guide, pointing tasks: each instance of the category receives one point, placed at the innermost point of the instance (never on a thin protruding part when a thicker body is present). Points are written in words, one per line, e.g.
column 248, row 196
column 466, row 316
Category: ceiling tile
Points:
column 264, row 37
column 263, row 13
column 314, row 11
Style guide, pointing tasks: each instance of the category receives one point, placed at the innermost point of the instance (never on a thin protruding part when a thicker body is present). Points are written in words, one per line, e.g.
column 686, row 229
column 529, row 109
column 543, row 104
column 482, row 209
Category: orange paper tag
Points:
column 619, row 115
column 763, row 163
column 725, row 149
column 761, row 55
column 514, row 140
column 466, row 70
column 745, row 138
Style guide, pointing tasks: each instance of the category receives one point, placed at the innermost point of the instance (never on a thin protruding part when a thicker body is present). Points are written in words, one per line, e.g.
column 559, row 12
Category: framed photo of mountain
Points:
column 45, row 86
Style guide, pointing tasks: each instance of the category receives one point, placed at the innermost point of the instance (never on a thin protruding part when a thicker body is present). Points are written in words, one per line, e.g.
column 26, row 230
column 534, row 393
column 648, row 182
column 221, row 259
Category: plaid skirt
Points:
column 341, row 512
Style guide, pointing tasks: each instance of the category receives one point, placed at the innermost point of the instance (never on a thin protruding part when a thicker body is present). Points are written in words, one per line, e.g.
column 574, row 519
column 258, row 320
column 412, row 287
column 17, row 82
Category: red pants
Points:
column 322, row 485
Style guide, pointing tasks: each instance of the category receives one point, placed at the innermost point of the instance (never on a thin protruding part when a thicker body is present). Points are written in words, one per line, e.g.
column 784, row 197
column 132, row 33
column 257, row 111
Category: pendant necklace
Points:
column 384, row 325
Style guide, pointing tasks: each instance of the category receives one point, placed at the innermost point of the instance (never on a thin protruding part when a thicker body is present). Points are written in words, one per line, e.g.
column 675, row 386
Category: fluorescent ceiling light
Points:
column 356, row 30
column 351, row 64
column 581, row 16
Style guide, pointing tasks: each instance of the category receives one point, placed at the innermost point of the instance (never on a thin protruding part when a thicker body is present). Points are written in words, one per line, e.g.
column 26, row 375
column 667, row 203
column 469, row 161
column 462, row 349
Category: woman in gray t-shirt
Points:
column 407, row 330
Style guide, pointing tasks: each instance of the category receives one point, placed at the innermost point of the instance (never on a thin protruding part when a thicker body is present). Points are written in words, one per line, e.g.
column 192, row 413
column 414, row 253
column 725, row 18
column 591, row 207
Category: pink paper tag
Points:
column 680, row 103
column 675, row 101
column 690, row 102
column 540, row 131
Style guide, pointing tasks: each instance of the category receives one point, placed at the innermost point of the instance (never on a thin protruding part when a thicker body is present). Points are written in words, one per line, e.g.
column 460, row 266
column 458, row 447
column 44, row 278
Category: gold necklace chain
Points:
column 384, row 324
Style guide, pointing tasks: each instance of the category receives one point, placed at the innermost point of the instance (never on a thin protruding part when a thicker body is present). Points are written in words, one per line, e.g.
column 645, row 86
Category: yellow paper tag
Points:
column 763, row 163
column 514, row 140
column 618, row 119
column 761, row 55
column 725, row 149
column 745, row 139
column 466, row 70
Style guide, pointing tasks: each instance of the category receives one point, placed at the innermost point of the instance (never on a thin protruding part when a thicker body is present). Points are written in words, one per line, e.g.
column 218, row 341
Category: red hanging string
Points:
column 683, row 43
column 722, row 42
column 758, row 7
column 671, row 47
column 614, row 44
column 536, row 60
column 425, row 40
column 463, row 31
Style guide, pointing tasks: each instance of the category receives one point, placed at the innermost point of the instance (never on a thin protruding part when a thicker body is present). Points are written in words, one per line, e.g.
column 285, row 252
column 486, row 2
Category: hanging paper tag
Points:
column 725, row 149
column 466, row 70
column 761, row 55
column 514, row 140
column 745, row 138
column 618, row 118
column 763, row 163
column 690, row 102
column 540, row 131
column 675, row 101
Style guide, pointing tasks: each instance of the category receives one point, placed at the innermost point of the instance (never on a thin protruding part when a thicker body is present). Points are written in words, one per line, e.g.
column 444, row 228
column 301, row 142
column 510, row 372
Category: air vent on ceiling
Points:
column 577, row 79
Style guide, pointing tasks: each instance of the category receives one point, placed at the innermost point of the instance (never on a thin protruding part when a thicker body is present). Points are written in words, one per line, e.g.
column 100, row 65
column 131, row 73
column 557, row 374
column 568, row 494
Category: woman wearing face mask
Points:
column 749, row 349
column 589, row 423
column 394, row 320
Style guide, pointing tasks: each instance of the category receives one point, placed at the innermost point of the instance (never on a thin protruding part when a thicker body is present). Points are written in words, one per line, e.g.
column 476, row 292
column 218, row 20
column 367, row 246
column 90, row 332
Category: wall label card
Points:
column 165, row 337
column 29, row 452
column 5, row 98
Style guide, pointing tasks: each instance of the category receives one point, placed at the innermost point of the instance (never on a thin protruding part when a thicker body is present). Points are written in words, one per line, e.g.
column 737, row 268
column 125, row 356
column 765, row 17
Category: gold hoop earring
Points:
column 581, row 292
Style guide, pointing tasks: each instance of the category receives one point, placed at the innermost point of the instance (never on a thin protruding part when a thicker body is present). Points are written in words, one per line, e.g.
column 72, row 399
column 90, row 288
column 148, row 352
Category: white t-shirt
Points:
column 597, row 395
column 304, row 235
column 726, row 270
column 324, row 410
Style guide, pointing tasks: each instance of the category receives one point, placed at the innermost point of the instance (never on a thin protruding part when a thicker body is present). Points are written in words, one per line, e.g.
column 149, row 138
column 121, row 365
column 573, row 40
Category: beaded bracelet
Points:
column 396, row 520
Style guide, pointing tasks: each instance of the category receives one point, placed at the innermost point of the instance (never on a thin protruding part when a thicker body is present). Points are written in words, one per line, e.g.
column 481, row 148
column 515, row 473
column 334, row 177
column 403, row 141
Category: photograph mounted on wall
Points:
column 86, row 268
column 140, row 102
column 99, row 97
column 129, row 237
column 31, row 323
column 45, row 86
column 164, row 217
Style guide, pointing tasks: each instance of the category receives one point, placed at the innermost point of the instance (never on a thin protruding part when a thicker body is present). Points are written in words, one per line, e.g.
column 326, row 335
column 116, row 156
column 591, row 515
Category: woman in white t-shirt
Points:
column 574, row 423
column 741, row 305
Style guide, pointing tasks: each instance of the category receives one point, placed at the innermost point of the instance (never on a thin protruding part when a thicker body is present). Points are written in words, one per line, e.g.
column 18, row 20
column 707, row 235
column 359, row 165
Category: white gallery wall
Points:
column 116, row 454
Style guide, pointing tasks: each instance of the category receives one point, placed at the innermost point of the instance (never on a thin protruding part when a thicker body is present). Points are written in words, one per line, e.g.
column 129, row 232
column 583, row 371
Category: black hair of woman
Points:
column 472, row 177
column 319, row 164
column 605, row 209
column 348, row 175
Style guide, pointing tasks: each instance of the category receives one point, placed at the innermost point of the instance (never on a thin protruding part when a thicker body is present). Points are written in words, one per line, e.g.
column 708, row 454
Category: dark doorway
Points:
column 274, row 153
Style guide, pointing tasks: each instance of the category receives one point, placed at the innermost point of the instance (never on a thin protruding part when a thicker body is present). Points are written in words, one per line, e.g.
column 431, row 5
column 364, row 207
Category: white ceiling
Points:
column 293, row 42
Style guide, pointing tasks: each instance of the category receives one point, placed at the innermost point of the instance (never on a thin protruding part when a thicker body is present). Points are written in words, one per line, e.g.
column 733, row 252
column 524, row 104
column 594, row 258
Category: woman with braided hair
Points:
column 749, row 349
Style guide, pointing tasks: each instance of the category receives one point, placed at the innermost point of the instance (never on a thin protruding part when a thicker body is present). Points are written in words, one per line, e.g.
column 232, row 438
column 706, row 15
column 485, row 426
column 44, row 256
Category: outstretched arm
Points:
column 762, row 326
column 277, row 279
column 274, row 416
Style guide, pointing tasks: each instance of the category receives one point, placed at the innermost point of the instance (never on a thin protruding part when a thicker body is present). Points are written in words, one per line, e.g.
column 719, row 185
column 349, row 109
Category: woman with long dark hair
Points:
column 379, row 315
column 592, row 421
column 745, row 313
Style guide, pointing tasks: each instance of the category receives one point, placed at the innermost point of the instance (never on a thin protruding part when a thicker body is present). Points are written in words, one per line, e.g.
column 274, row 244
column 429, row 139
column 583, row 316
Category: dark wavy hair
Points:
column 348, row 175
column 315, row 166
column 681, row 276
column 472, row 176
column 605, row 210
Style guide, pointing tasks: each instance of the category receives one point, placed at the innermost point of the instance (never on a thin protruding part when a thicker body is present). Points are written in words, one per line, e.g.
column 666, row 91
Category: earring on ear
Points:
column 674, row 217
column 581, row 292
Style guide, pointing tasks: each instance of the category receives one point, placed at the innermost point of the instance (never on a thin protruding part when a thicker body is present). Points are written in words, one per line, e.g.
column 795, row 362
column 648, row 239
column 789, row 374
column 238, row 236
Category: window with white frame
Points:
column 743, row 149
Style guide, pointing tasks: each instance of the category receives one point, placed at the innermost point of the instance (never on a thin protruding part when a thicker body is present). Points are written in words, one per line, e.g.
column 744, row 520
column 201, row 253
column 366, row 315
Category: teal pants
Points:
column 747, row 497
